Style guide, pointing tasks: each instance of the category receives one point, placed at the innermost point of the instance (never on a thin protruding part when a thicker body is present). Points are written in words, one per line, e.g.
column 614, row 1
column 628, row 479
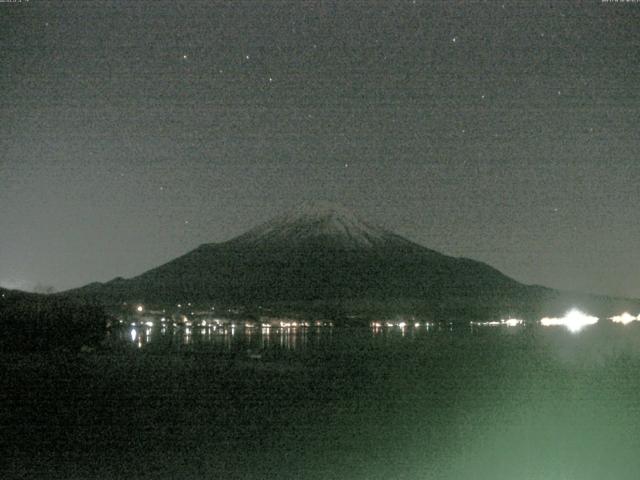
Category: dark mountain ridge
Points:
column 324, row 254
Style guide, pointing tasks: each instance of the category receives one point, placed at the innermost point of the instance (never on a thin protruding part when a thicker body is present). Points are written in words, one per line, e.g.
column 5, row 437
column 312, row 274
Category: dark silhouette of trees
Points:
column 32, row 322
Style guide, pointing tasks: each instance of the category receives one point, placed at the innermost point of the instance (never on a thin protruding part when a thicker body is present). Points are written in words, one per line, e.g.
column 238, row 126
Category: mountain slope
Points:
column 326, row 254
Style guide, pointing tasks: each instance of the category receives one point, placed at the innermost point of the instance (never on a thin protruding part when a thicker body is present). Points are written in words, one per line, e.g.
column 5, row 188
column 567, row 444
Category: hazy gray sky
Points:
column 506, row 132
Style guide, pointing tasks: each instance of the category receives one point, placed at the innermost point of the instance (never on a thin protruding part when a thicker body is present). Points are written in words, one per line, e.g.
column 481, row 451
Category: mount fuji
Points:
column 321, row 255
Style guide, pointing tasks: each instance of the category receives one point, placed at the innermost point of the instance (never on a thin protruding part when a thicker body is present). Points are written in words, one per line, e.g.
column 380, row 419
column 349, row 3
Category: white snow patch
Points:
column 315, row 220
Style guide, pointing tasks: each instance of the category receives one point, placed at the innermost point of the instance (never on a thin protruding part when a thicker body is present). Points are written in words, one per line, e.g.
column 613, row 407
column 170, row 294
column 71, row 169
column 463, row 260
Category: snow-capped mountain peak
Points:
column 317, row 221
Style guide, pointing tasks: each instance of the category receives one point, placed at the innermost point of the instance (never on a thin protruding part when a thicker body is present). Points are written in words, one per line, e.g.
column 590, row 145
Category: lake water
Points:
column 322, row 403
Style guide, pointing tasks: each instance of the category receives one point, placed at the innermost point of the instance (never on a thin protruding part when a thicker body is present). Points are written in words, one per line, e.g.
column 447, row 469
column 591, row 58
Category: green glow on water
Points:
column 495, row 403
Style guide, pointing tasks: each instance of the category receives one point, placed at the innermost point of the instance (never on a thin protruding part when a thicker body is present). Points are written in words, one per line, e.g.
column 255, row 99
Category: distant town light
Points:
column 624, row 319
column 492, row 323
column 574, row 321
column 139, row 308
column 512, row 322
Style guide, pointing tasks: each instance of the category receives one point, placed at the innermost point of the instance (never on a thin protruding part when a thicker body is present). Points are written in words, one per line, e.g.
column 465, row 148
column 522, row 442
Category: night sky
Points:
column 507, row 132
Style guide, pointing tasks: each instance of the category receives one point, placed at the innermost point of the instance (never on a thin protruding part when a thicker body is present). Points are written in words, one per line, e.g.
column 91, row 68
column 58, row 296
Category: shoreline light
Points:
column 574, row 321
column 624, row 319
column 512, row 322
column 505, row 322
column 492, row 323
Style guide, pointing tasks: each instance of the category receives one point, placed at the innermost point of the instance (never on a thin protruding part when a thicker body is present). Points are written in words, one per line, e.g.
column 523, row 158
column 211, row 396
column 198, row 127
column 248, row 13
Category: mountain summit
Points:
column 317, row 223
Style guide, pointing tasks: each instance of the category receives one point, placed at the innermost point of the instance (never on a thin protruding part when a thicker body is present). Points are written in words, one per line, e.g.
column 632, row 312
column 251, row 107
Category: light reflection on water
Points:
column 258, row 338
column 226, row 338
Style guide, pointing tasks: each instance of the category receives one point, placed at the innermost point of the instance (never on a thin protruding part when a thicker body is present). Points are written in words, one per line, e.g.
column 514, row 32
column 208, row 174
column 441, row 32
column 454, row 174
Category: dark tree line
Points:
column 31, row 322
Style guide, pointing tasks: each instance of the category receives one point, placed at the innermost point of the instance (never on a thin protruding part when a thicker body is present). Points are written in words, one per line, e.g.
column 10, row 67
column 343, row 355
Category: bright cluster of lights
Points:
column 294, row 324
column 508, row 322
column 574, row 321
column 624, row 319
column 512, row 322
column 400, row 324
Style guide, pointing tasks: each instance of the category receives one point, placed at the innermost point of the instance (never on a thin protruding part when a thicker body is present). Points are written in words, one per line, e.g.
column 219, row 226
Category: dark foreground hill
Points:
column 34, row 322
column 320, row 257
